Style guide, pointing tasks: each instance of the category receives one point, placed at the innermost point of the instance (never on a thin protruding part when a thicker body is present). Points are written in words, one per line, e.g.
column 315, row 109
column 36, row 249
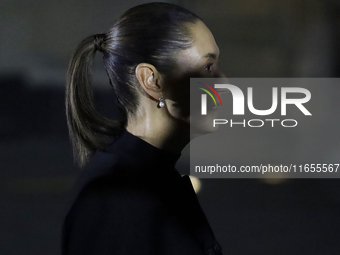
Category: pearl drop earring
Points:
column 161, row 103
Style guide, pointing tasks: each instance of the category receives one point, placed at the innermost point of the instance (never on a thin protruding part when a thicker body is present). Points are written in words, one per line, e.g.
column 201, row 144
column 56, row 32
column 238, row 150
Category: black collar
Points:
column 133, row 147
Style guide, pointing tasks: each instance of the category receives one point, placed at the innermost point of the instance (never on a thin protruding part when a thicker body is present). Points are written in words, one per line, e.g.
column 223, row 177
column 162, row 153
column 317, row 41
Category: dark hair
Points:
column 148, row 33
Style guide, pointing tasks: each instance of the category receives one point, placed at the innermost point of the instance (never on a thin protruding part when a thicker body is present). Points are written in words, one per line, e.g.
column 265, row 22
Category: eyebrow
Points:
column 211, row 55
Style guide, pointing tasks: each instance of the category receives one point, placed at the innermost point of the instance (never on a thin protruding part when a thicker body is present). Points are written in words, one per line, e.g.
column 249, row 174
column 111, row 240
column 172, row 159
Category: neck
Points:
column 160, row 130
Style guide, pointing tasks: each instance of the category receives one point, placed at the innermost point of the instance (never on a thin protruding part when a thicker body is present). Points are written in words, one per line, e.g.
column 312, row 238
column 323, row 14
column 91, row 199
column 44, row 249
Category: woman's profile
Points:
column 129, row 198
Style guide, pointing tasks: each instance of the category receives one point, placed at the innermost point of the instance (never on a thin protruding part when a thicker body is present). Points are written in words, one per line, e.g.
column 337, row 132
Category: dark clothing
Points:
column 131, row 200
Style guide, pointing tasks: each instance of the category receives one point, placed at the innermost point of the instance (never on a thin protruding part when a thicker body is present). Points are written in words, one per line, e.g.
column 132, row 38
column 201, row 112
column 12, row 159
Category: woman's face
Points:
column 200, row 60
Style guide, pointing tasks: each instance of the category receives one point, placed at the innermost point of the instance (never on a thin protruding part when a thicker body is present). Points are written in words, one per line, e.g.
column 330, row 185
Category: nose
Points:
column 222, row 90
column 221, row 74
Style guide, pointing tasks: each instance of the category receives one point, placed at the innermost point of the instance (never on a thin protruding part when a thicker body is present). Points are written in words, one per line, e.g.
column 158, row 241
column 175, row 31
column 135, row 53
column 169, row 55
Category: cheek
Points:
column 201, row 124
column 178, row 99
column 178, row 110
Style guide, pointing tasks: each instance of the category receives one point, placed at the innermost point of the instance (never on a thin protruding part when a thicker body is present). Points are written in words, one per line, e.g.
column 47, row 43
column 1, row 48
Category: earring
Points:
column 161, row 103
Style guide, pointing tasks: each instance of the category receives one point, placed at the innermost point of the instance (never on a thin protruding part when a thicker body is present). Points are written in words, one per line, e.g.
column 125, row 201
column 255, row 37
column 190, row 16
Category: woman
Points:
column 129, row 199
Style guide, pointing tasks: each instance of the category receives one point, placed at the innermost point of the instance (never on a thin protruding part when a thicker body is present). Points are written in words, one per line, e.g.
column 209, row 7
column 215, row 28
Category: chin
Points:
column 203, row 124
column 203, row 128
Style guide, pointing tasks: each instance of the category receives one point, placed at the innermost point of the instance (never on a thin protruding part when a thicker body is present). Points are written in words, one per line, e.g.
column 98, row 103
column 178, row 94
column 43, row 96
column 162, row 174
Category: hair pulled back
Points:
column 148, row 33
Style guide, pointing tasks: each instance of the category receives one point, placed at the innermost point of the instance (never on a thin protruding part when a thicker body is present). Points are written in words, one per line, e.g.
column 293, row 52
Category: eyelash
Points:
column 207, row 67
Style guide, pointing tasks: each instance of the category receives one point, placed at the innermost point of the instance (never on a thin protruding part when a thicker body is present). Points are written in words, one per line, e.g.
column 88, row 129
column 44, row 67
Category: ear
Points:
column 150, row 79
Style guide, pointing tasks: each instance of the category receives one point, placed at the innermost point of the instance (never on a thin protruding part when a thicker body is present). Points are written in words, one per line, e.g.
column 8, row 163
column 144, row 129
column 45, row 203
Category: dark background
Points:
column 257, row 38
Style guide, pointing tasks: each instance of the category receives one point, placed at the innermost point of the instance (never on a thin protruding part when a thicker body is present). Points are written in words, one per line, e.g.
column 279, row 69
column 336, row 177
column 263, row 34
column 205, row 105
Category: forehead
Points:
column 204, row 41
column 203, row 44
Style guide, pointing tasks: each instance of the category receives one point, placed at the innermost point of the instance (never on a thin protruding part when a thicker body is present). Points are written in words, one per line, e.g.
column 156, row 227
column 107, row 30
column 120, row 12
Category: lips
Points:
column 222, row 91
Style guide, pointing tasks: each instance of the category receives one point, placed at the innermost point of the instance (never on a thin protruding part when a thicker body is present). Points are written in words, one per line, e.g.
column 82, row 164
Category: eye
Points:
column 208, row 67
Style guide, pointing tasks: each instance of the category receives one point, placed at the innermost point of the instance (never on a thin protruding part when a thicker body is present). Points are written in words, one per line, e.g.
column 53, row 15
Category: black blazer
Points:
column 130, row 200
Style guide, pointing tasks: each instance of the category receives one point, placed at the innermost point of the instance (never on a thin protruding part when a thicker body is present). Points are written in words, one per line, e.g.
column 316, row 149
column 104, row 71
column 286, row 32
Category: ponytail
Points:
column 133, row 39
column 88, row 129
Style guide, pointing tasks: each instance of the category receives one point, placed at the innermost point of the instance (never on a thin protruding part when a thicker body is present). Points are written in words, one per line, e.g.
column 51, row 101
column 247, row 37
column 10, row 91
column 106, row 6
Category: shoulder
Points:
column 124, row 220
column 116, row 194
column 103, row 188
column 124, row 213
